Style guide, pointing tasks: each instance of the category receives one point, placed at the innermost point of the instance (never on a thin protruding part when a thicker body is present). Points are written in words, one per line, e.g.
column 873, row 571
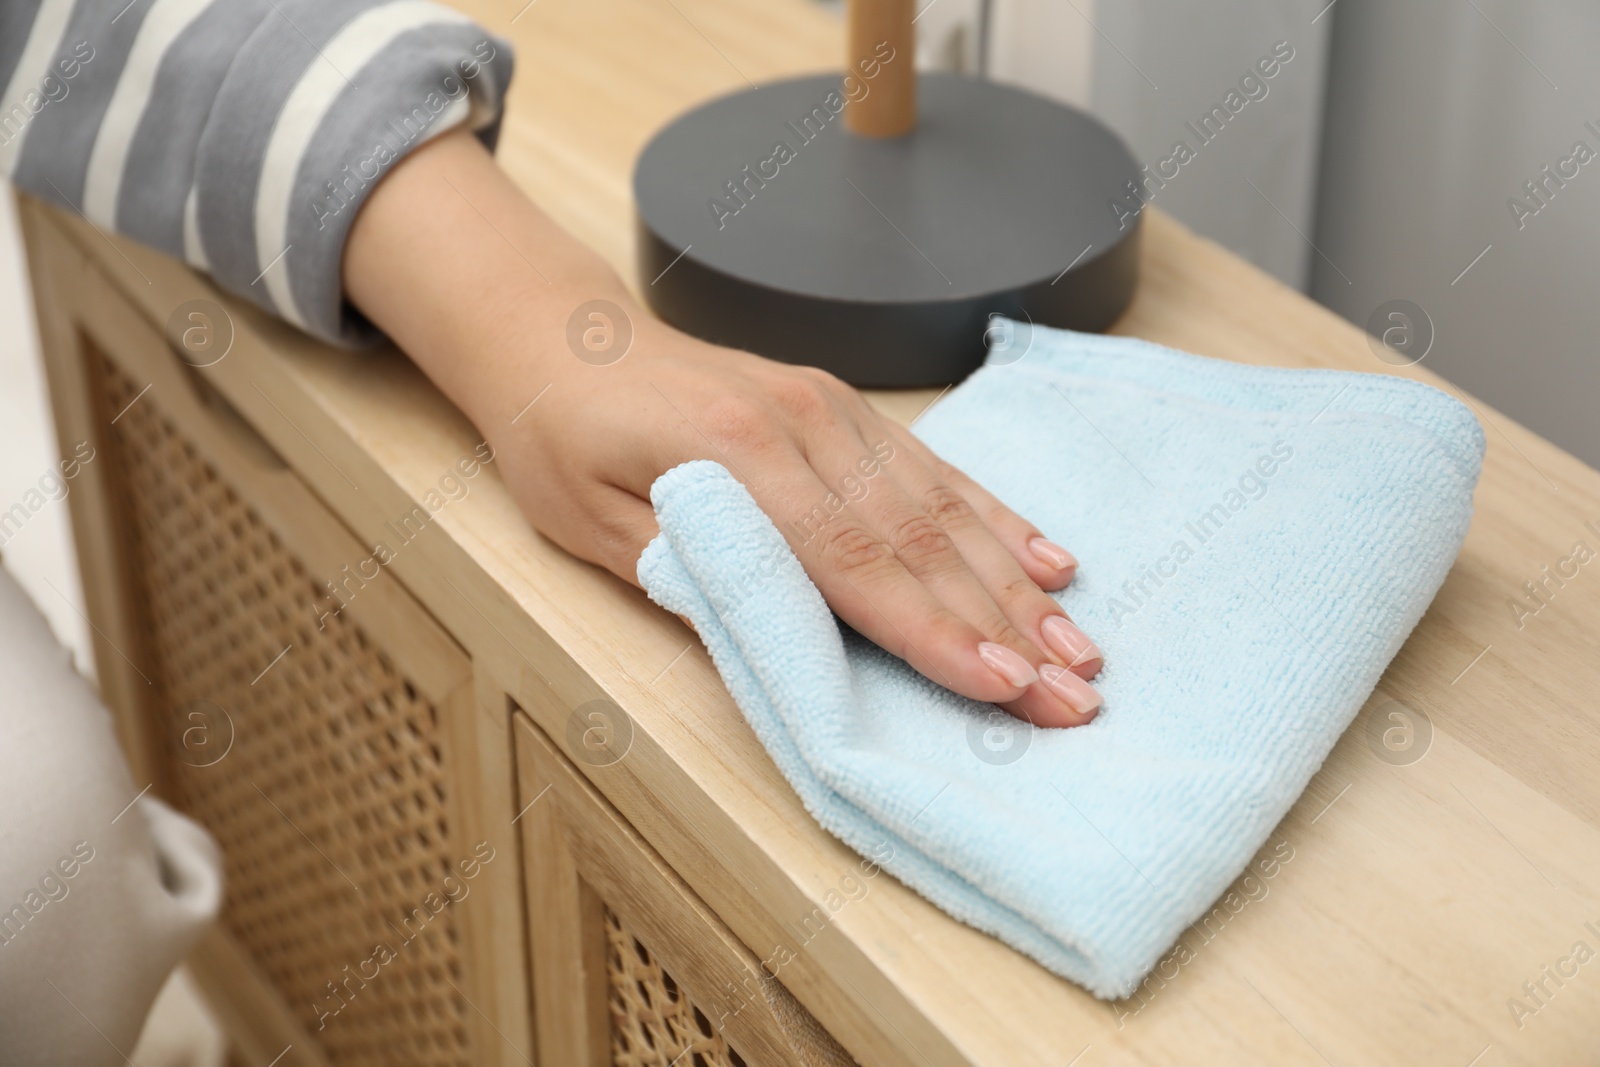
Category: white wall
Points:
column 1377, row 168
column 1163, row 64
column 39, row 552
column 1438, row 112
column 1048, row 46
column 1148, row 67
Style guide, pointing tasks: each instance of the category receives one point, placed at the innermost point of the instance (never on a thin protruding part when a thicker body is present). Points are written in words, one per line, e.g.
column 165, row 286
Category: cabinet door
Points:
column 630, row 966
column 275, row 682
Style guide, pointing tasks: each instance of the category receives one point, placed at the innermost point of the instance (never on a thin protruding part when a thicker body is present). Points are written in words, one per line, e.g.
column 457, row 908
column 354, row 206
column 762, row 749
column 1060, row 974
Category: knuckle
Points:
column 923, row 544
column 852, row 549
column 1019, row 590
column 802, row 397
column 836, row 389
column 946, row 506
column 999, row 629
column 826, row 379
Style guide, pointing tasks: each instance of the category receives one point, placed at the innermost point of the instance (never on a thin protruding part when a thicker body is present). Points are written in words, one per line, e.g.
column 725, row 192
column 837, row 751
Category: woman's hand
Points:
column 477, row 285
column 920, row 559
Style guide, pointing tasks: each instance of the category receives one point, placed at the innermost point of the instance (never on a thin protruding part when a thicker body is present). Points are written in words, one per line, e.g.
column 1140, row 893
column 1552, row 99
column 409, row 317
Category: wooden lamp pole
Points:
column 890, row 109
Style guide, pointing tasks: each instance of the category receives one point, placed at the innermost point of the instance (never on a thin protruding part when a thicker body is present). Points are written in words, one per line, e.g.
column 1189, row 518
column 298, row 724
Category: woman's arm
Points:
column 278, row 144
column 241, row 136
column 478, row 285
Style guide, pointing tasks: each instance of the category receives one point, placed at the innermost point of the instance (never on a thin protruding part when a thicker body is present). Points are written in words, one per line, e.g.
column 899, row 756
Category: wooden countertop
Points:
column 1419, row 898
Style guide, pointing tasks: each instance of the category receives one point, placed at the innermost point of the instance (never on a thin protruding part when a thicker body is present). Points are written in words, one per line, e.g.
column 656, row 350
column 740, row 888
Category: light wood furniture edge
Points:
column 101, row 565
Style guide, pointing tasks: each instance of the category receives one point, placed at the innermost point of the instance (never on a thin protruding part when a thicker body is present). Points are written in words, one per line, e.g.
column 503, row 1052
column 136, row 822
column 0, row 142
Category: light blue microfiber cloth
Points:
column 1255, row 545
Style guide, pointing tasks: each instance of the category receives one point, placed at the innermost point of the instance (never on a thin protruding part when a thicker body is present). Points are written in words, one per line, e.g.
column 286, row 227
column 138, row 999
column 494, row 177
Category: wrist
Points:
column 562, row 337
column 471, row 280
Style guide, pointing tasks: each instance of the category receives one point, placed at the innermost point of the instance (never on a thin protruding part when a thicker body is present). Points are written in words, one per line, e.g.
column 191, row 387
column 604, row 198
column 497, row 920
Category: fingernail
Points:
column 1070, row 643
column 1080, row 696
column 1007, row 664
column 1052, row 554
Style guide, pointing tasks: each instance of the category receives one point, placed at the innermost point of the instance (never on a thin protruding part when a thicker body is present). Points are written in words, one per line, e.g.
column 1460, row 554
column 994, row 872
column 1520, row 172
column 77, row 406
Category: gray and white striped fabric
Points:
column 239, row 135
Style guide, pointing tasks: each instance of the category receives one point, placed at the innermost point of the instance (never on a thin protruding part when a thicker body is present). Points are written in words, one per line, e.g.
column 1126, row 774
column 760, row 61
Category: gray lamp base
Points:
column 766, row 225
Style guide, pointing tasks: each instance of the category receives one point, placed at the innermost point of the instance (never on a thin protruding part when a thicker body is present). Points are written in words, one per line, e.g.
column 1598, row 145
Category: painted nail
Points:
column 1007, row 664
column 1080, row 696
column 1070, row 643
column 1052, row 554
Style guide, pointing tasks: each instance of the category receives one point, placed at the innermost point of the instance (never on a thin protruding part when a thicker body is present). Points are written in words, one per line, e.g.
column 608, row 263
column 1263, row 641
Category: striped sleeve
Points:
column 239, row 135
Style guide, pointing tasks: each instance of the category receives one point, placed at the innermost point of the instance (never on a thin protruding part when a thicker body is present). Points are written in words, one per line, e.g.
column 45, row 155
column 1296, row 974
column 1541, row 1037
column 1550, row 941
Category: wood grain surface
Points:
column 1437, row 910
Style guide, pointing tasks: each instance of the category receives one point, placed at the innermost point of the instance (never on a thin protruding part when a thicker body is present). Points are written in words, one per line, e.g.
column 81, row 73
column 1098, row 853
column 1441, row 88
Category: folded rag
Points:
column 1255, row 545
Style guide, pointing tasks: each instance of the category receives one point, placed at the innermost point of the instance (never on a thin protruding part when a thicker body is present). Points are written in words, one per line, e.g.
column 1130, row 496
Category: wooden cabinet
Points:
column 414, row 873
column 274, row 681
column 630, row 966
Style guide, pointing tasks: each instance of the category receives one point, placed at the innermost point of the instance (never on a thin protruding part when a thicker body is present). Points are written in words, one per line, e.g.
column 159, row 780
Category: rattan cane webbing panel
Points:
column 653, row 1022
column 330, row 800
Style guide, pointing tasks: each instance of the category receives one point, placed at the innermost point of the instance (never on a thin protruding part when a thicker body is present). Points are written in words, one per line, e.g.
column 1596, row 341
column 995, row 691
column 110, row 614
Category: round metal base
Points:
column 765, row 224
